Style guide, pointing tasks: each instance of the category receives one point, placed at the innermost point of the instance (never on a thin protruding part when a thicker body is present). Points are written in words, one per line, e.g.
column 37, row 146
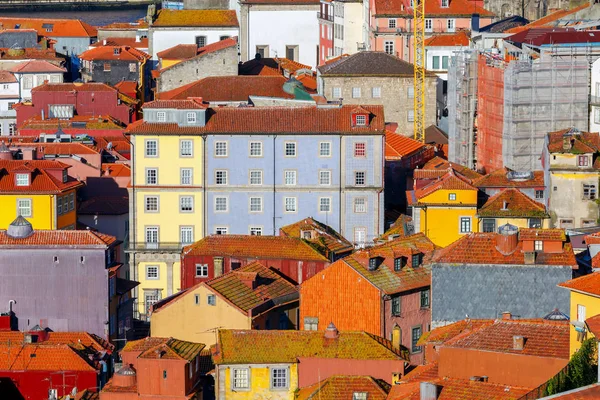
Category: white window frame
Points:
column 186, row 176
column 325, row 146
column 389, row 47
column 460, row 225
column 428, row 25
column 183, row 149
column 255, row 230
column 152, row 278
column 538, row 245
column 258, row 177
column 203, row 271
column 187, row 229
column 252, row 207
column 152, row 229
column 216, row 205
column 356, row 93
column 361, row 120
column 147, row 147
column 24, row 205
column 146, row 199
column 161, row 116
column 359, row 205
column 221, row 151
column 223, row 229
column 259, row 147
column 392, row 23
column 293, row 201
column 245, row 380
column 410, row 116
column 324, row 204
column 148, row 171
column 186, row 199
column 358, row 232
column 292, row 173
column 293, row 145
column 376, row 92
column 191, row 117
column 325, row 178
column 22, row 180
column 336, row 92
column 223, row 177
column 273, row 371
column 451, row 24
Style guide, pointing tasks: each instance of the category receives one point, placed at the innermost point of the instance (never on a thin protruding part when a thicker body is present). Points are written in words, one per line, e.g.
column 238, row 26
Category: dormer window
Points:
column 583, row 161
column 22, row 179
column 445, row 3
column 374, row 263
column 399, row 262
column 361, row 120
column 161, row 116
column 416, row 260
column 191, row 118
column 116, row 51
column 64, row 176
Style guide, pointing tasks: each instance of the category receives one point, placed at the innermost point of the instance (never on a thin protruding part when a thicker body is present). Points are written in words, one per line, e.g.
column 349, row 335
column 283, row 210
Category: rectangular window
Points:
column 566, row 223
column 220, row 149
column 289, row 177
column 106, row 67
column 151, row 299
column 290, row 204
column 581, row 313
column 360, row 235
column 389, row 47
column 151, row 176
column 324, row 204
column 200, row 41
column 410, row 116
column 279, row 378
column 186, row 204
column 256, row 204
column 360, row 205
column 186, row 176
column 132, row 67
column 151, row 236
column 221, row 230
column 435, row 62
column 361, row 120
column 185, row 148
column 161, row 116
column 256, row 149
column 450, row 25
column 201, row 270
column 360, row 178
column 445, row 3
column 597, row 111
column 589, row 192
column 360, row 149
column 396, row 306
column 221, row 177
column 241, row 378
column 416, row 260
column 399, row 262
column 152, row 272
column 256, row 177
column 263, row 51
column 359, row 396
column 255, row 231
column 59, row 202
column 416, row 334
column 535, row 223
column 324, row 149
column 211, row 299
column 221, row 204
column 186, row 234
column 410, row 92
column 465, row 224
column 356, row 93
column 425, row 298
column 191, row 118
column 582, row 161
column 22, row 179
column 151, row 204
column 376, row 92
column 71, row 201
column 452, row 196
column 391, row 23
column 538, row 245
column 24, row 207
column 489, row 225
column 539, row 195
column 311, row 323
column 428, row 25
column 325, row 178
column 336, row 92
column 444, row 62
column 151, row 147
column 290, row 149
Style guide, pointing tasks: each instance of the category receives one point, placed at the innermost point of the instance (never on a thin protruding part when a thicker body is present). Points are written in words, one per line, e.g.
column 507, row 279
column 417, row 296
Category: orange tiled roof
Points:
column 59, row 238
column 200, row 52
column 580, row 142
column 127, row 87
column 400, row 227
column 42, row 357
column 78, row 340
column 123, row 41
column 455, row 330
column 41, row 181
column 258, row 120
column 542, row 234
column 55, row 148
column 208, row 18
column 588, row 284
column 139, row 24
column 438, row 167
column 34, row 66
column 593, row 325
column 456, row 8
column 173, row 349
column 399, row 146
column 7, row 77
column 257, row 346
column 116, row 170
column 75, row 86
column 258, row 247
column 179, row 52
column 343, row 387
column 500, row 178
column 31, row 53
column 326, row 239
column 449, row 181
column 592, row 238
column 459, row 38
column 308, row 81
column 144, row 344
column 60, row 27
column 120, row 53
column 481, row 248
column 512, row 203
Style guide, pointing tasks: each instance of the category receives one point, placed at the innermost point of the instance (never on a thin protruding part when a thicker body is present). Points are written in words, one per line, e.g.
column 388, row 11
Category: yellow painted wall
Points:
column 440, row 220
column 260, row 384
column 186, row 320
column 160, row 283
column 165, row 62
column 43, row 210
column 592, row 308
column 68, row 218
column 518, row 222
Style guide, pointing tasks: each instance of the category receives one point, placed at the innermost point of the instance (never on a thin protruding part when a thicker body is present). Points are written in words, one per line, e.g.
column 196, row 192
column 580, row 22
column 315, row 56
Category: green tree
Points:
column 583, row 368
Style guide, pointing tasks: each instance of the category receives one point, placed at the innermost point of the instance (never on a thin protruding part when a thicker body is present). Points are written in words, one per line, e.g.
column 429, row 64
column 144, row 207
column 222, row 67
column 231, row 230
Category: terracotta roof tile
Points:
column 589, row 392
column 542, row 234
column 31, row 53
column 456, row 8
column 187, row 104
column 403, row 226
column 455, row 330
column 179, row 52
column 41, row 181
column 144, row 344
column 512, row 203
column 438, row 167
column 112, row 53
column 449, row 181
column 593, row 325
column 399, row 146
column 139, row 24
column 308, row 81
column 505, row 177
column 580, row 142
column 443, row 40
column 55, row 148
column 7, row 77
column 174, row 349
column 229, row 88
column 246, row 246
column 83, row 122
column 256, row 346
column 200, row 52
column 592, row 238
column 60, row 27
column 270, row 120
column 42, row 357
column 33, row 66
column 325, row 239
column 343, row 387
column 77, row 87
column 589, row 284
column 208, row 18
column 77, row 340
column 63, row 238
column 116, row 170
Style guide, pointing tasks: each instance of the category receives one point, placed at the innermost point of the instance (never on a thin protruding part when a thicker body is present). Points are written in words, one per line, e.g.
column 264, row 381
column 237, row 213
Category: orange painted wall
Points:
column 503, row 368
column 150, row 377
column 340, row 295
column 550, row 246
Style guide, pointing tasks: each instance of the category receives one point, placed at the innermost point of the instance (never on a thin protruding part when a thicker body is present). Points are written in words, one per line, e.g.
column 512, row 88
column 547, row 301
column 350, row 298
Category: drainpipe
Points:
column 204, row 194
column 274, row 186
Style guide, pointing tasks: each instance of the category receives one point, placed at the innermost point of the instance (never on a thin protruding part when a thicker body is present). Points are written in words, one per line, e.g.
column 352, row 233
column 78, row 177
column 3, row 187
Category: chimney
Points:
column 566, row 142
column 475, row 23
column 529, row 257
column 331, row 332
column 506, row 315
column 248, row 278
column 429, row 391
column 518, row 342
column 104, row 42
column 507, row 239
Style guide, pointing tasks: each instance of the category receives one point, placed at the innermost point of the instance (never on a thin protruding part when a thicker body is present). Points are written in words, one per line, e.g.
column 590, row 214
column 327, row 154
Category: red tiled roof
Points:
column 60, row 27
column 188, row 104
column 116, row 170
column 308, row 81
column 34, row 66
column 257, row 120
column 580, row 142
column 592, row 238
column 400, row 227
column 512, row 203
column 593, row 325
column 30, row 53
column 343, row 387
column 123, row 41
column 499, row 178
column 481, row 248
column 204, row 18
column 543, row 338
column 59, row 238
column 78, row 87
column 456, row 8
column 55, row 148
column 77, row 340
column 89, row 122
column 258, row 247
column 399, row 146
column 200, row 52
column 121, row 53
column 588, row 284
column 449, row 181
column 127, row 87
column 139, row 24
column 590, row 392
column 229, row 88
column 42, row 357
column 41, row 181
column 7, row 77
column 179, row 52
column 542, row 234
column 460, row 38
column 173, row 349
column 455, row 330
column 324, row 238
column 438, row 167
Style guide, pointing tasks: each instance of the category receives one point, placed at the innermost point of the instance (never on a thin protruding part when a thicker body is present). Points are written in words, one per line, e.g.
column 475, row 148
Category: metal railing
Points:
column 385, row 30
column 150, row 247
column 328, row 17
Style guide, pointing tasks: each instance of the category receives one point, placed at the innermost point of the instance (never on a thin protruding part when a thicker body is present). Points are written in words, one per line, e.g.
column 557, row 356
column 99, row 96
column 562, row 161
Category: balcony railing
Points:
column 327, row 17
column 382, row 30
column 155, row 247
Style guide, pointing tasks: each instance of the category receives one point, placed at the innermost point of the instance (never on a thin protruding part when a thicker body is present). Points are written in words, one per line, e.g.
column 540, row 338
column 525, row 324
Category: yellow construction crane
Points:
column 419, row 67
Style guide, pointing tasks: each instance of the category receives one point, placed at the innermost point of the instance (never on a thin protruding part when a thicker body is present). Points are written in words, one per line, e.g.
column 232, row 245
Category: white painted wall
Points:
column 29, row 81
column 281, row 28
column 439, row 51
column 353, row 27
column 595, row 92
column 162, row 39
column 9, row 93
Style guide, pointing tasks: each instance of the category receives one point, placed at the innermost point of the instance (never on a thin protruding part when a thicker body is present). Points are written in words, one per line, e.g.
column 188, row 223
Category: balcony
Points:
column 382, row 30
column 326, row 17
column 155, row 247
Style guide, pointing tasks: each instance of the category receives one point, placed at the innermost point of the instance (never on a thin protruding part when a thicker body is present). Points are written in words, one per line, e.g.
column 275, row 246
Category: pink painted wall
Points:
column 311, row 370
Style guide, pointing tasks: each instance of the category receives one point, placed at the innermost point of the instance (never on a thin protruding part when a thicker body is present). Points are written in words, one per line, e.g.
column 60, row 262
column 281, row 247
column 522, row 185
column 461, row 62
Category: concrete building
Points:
column 378, row 78
column 356, row 29
column 326, row 30
column 571, row 171
column 35, row 73
column 485, row 274
column 199, row 27
column 9, row 96
column 281, row 28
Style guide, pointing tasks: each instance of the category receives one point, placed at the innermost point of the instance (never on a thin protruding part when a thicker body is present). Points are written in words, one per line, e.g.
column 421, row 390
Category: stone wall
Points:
column 534, row 9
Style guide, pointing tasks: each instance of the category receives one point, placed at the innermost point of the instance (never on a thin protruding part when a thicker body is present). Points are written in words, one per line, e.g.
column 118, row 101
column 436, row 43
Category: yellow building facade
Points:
column 167, row 199
column 41, row 210
column 260, row 382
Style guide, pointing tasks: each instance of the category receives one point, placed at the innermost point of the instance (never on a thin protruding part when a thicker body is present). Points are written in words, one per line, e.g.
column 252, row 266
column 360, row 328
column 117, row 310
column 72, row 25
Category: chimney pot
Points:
column 331, row 332
column 506, row 315
column 507, row 239
column 518, row 342
column 429, row 391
